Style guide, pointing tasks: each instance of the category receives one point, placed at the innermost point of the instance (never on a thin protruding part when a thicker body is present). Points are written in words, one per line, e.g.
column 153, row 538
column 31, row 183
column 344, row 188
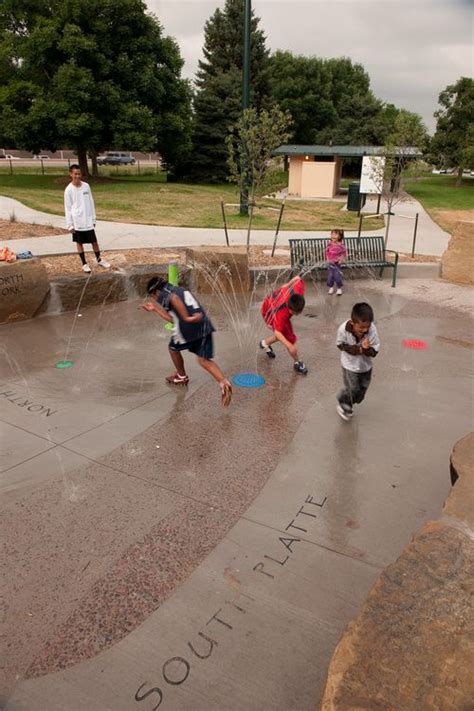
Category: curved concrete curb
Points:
column 411, row 645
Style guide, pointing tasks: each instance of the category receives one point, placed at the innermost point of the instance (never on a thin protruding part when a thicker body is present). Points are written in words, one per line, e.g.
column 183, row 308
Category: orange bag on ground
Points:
column 6, row 255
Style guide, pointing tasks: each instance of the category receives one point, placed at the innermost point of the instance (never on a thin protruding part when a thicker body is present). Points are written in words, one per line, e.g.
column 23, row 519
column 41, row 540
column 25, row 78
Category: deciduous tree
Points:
column 91, row 74
column 330, row 100
column 251, row 144
column 452, row 144
column 405, row 143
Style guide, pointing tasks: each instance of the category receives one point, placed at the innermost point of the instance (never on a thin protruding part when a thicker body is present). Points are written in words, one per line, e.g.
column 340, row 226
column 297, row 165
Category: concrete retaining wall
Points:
column 66, row 293
column 23, row 288
column 28, row 292
column 224, row 268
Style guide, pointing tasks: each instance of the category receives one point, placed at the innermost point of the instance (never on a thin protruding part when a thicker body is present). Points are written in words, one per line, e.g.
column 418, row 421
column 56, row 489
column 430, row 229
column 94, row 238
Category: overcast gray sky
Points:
column 411, row 48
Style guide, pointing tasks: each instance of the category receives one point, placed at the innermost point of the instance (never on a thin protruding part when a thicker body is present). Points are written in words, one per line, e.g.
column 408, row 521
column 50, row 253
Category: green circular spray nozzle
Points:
column 61, row 364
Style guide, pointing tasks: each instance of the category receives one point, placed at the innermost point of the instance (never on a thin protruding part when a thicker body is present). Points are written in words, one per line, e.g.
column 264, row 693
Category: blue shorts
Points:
column 203, row 347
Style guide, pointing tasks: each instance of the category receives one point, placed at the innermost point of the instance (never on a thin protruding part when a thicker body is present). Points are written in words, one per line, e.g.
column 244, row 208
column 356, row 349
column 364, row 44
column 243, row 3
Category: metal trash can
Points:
column 354, row 199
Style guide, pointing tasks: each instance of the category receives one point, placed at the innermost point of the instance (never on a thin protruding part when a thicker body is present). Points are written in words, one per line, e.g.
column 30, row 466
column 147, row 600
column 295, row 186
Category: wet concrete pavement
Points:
column 165, row 553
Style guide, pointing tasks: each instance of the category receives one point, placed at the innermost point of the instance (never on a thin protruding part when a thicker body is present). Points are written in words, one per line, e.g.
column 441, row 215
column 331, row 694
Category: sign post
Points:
column 371, row 175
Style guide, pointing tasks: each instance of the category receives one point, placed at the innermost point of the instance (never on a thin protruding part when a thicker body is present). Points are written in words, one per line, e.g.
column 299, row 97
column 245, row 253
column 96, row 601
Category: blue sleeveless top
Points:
column 185, row 332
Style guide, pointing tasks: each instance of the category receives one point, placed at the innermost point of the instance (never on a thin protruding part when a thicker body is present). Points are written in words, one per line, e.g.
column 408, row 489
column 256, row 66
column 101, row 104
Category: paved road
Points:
column 118, row 236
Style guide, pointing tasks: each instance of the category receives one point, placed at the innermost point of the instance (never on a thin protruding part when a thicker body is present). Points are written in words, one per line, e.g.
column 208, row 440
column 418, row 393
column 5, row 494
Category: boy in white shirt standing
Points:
column 80, row 217
column 359, row 343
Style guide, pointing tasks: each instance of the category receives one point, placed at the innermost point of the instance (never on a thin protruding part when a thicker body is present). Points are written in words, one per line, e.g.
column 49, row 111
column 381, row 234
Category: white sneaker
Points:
column 104, row 264
column 342, row 413
column 86, row 268
column 331, row 290
column 339, row 292
column 268, row 349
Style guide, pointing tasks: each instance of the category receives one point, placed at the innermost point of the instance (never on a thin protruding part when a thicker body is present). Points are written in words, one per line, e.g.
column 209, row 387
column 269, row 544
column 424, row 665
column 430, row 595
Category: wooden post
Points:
column 414, row 236
column 389, row 214
column 225, row 223
column 249, row 228
column 42, row 166
column 11, row 167
column 278, row 227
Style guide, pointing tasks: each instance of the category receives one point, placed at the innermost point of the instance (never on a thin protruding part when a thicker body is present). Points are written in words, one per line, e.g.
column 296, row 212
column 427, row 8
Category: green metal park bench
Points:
column 309, row 255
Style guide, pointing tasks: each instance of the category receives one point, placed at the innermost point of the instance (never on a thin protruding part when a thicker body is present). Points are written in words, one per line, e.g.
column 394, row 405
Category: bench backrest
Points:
column 312, row 250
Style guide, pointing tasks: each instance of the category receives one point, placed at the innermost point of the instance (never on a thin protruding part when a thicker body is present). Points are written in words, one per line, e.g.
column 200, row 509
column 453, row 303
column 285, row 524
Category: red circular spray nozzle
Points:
column 415, row 344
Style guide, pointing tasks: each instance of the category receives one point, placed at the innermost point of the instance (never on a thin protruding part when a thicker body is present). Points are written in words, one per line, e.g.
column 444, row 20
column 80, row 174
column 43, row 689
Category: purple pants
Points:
column 334, row 275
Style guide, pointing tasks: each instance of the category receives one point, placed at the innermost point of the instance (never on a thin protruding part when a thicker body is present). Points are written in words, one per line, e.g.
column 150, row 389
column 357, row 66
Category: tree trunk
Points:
column 249, row 228
column 387, row 228
column 82, row 158
column 459, row 177
column 95, row 167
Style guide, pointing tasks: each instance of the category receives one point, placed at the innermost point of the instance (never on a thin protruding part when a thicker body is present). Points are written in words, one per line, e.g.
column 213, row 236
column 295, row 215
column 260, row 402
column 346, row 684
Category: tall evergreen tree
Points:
column 218, row 99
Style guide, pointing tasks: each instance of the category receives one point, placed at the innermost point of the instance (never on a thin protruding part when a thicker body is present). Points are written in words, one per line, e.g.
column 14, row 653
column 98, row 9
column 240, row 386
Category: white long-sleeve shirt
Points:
column 79, row 207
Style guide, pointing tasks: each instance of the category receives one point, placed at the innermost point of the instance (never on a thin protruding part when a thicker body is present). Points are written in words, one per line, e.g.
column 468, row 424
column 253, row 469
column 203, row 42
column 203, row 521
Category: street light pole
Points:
column 244, row 193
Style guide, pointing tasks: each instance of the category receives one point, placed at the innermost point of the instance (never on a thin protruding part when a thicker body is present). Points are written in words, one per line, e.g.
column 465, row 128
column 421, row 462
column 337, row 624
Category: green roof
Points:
column 344, row 151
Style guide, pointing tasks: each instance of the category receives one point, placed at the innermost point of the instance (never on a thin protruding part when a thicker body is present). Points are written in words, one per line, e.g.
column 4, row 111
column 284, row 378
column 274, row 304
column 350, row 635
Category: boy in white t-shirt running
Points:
column 80, row 217
column 359, row 343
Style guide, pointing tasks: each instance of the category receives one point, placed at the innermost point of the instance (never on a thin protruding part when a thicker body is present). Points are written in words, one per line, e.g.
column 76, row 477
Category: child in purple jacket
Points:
column 336, row 252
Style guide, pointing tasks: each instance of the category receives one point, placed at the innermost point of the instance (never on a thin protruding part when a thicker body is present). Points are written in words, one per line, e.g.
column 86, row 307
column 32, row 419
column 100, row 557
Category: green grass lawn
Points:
column 445, row 202
column 148, row 199
column 440, row 191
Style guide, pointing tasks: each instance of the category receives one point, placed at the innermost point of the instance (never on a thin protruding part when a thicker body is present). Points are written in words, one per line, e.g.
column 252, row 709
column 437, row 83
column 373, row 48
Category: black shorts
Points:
column 84, row 236
column 203, row 347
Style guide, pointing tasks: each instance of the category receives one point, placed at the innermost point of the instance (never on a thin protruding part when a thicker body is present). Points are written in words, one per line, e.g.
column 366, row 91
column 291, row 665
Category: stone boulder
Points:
column 411, row 646
column 457, row 262
column 224, row 269
column 23, row 288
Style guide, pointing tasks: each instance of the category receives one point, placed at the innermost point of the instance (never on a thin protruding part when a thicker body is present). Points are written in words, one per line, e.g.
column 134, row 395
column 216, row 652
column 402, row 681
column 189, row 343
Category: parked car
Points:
column 9, row 156
column 115, row 158
column 41, row 156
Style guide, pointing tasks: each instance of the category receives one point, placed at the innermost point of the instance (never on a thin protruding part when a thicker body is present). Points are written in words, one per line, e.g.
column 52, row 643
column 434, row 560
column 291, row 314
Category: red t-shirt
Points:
column 275, row 309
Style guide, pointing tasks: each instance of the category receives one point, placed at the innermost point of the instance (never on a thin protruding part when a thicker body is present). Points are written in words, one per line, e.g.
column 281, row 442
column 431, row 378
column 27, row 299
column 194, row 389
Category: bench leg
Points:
column 394, row 280
column 381, row 272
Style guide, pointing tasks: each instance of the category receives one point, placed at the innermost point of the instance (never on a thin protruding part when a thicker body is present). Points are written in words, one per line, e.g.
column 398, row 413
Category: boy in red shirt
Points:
column 277, row 310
